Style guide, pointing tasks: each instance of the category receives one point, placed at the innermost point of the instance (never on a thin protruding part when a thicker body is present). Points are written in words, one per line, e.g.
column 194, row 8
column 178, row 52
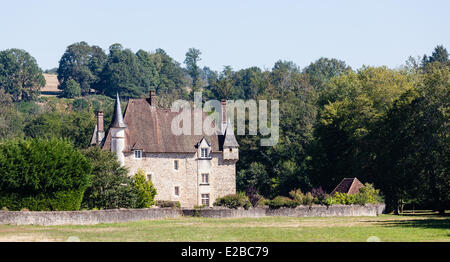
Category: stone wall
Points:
column 48, row 218
column 328, row 211
column 226, row 212
column 51, row 218
column 300, row 211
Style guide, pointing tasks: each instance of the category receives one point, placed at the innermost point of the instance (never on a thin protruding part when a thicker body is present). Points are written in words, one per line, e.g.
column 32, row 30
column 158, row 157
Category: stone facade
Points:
column 160, row 168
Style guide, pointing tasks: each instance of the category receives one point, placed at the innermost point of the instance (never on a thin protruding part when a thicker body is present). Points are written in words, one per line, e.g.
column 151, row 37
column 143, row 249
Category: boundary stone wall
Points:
column 51, row 218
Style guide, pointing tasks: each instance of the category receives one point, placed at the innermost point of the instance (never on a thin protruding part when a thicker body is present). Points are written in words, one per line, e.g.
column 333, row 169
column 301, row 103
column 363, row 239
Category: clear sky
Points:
column 232, row 32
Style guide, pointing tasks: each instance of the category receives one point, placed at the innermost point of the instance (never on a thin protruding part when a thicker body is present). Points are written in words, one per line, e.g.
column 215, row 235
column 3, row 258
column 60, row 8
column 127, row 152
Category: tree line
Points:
column 384, row 126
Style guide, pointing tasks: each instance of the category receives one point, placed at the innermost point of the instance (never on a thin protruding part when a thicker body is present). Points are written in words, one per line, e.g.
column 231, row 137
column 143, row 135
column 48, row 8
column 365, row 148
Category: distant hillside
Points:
column 51, row 85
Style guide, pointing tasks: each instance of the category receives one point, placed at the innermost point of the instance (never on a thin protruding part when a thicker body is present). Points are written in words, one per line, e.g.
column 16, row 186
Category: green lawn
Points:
column 411, row 227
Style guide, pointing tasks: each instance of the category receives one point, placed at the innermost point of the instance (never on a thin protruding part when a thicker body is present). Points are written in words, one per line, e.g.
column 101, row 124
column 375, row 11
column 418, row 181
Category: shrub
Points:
column 366, row 195
column 168, row 203
column 262, row 202
column 308, row 200
column 253, row 196
column 329, row 201
column 145, row 190
column 234, row 201
column 343, row 198
column 370, row 194
column 319, row 195
column 302, row 199
column 297, row 195
column 42, row 174
column 281, row 201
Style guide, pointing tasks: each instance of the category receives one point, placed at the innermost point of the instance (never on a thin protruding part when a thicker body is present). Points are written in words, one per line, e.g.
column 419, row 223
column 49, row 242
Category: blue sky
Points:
column 237, row 33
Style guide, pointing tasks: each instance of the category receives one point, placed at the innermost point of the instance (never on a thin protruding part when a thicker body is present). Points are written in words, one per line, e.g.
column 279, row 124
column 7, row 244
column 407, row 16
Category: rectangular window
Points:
column 205, row 178
column 177, row 191
column 204, row 152
column 137, row 153
column 205, row 199
column 175, row 164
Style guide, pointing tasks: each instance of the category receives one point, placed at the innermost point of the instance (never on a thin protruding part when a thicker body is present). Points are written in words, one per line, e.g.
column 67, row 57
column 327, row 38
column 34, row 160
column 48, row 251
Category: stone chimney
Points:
column 223, row 115
column 152, row 98
column 100, row 128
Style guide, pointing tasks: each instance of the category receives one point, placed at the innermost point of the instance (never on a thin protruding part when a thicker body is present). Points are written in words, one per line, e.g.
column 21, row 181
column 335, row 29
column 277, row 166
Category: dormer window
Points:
column 204, row 153
column 204, row 149
column 138, row 154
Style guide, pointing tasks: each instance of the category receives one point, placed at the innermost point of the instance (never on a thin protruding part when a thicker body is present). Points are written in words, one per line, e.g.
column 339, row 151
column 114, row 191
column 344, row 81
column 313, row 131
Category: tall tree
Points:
column 82, row 63
column 350, row 108
column 322, row 70
column 20, row 75
column 439, row 55
column 224, row 86
column 192, row 58
column 411, row 145
column 122, row 73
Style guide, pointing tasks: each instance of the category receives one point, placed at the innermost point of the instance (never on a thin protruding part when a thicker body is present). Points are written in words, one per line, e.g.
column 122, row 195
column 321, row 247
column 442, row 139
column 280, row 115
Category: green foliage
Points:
column 62, row 200
column 262, row 202
column 344, row 199
column 133, row 75
column 168, row 203
column 234, row 201
column 323, row 70
column 111, row 186
column 20, row 75
column 302, row 199
column 366, row 195
column 192, row 58
column 74, row 126
column 439, row 55
column 145, row 190
column 281, row 201
column 70, row 89
column 81, row 63
column 42, row 175
column 352, row 106
column 411, row 144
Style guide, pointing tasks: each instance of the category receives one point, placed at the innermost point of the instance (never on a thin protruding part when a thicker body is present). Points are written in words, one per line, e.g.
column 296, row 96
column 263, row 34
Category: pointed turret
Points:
column 230, row 139
column 118, row 127
column 230, row 144
column 118, row 118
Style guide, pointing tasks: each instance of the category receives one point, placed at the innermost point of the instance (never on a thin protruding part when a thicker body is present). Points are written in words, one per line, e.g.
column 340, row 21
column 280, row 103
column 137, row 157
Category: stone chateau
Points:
column 191, row 169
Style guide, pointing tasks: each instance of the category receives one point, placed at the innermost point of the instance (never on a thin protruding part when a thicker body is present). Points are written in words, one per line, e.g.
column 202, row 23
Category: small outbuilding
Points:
column 348, row 186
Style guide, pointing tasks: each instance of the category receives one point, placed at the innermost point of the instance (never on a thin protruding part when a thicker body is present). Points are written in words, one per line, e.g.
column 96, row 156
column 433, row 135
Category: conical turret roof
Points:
column 230, row 139
column 118, row 117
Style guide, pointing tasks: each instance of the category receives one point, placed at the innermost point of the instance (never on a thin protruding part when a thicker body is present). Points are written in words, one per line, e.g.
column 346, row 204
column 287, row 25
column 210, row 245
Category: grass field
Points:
column 411, row 227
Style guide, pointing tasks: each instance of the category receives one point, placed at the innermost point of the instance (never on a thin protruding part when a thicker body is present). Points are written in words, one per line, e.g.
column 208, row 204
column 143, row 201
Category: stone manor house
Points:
column 191, row 169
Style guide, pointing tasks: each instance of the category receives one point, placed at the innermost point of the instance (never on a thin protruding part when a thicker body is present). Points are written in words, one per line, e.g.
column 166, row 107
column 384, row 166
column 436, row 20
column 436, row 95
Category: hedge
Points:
column 39, row 174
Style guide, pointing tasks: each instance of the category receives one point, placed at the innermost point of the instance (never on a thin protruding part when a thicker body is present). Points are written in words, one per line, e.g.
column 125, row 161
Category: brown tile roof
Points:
column 348, row 185
column 149, row 129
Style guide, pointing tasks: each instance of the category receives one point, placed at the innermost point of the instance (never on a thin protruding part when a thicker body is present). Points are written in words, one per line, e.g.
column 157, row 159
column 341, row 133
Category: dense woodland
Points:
column 389, row 127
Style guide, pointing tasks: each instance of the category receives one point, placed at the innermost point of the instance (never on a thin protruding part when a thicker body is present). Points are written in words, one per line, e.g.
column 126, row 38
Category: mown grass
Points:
column 417, row 227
